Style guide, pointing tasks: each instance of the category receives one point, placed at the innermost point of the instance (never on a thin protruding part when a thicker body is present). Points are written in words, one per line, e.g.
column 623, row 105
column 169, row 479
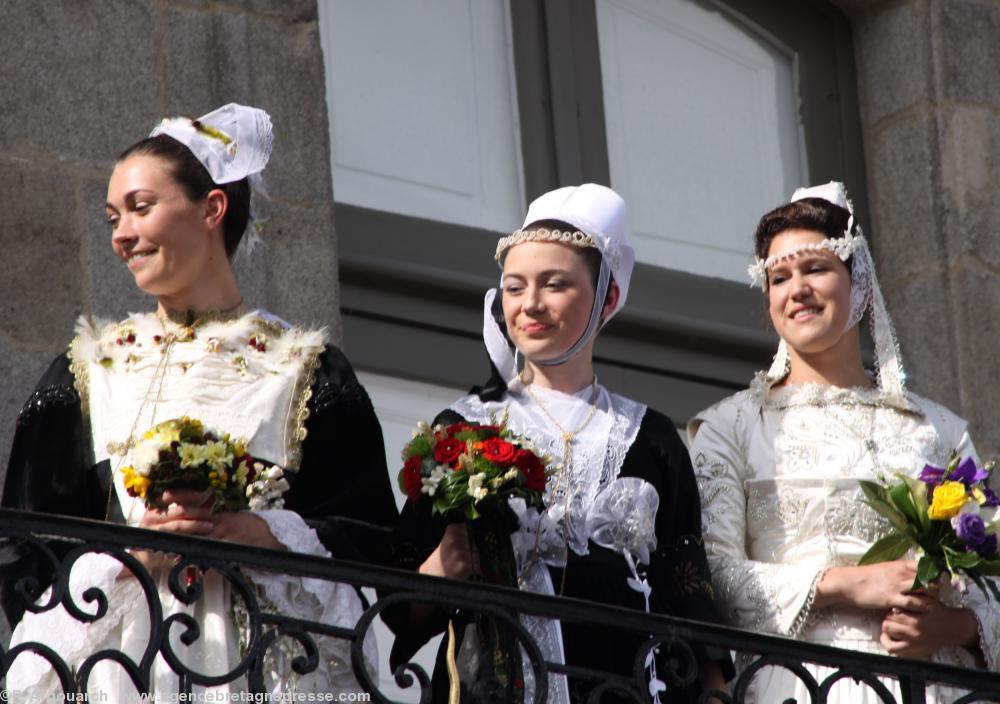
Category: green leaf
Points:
column 918, row 496
column 891, row 547
column 960, row 559
column 928, row 569
column 900, row 497
column 878, row 498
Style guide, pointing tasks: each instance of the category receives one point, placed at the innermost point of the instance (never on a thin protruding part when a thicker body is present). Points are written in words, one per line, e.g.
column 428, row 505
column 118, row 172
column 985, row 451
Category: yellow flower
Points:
column 978, row 495
column 190, row 455
column 135, row 483
column 949, row 498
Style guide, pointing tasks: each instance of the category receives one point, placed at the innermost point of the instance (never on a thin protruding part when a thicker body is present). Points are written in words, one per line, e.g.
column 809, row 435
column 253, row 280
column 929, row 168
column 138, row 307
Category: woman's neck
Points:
column 569, row 377
column 840, row 365
column 217, row 291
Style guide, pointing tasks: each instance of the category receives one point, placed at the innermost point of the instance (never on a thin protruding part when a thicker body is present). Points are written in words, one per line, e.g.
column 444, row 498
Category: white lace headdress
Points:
column 600, row 219
column 866, row 294
column 232, row 142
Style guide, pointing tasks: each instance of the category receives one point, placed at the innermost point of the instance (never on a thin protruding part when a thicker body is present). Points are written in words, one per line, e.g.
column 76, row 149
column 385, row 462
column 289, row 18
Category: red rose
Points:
column 457, row 428
column 499, row 450
column 411, row 477
column 532, row 469
column 448, row 450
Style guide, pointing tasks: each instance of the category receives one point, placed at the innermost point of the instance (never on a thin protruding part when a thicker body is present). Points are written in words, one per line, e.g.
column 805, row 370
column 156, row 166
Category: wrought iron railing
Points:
column 674, row 637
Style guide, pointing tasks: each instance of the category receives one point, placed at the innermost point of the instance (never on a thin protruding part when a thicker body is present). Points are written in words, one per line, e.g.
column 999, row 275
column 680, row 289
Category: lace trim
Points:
column 297, row 430
column 765, row 394
column 312, row 599
column 543, row 234
column 595, row 463
column 81, row 381
column 806, row 613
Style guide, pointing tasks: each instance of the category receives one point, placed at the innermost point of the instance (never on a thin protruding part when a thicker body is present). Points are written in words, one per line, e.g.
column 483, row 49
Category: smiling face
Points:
column 548, row 293
column 809, row 294
column 165, row 239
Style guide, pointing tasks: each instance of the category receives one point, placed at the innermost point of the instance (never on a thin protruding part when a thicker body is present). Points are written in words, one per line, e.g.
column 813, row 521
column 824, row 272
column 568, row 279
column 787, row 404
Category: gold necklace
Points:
column 184, row 324
column 566, row 473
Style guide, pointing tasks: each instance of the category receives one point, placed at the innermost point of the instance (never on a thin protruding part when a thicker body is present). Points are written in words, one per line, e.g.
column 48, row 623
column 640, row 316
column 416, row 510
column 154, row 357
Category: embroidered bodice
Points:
column 249, row 377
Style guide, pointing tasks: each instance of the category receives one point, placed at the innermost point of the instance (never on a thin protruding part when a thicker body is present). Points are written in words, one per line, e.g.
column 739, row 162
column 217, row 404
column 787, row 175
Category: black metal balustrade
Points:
column 674, row 636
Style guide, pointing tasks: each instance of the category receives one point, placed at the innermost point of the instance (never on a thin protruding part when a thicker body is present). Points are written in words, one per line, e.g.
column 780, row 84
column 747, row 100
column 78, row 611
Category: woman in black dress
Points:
column 565, row 273
column 178, row 204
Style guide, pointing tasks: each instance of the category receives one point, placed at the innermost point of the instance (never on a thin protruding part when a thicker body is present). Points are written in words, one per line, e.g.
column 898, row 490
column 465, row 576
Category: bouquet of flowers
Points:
column 469, row 471
column 463, row 466
column 948, row 515
column 182, row 454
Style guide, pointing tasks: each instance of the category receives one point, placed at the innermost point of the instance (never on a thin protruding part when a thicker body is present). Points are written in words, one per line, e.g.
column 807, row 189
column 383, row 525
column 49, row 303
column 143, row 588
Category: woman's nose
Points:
column 800, row 286
column 533, row 299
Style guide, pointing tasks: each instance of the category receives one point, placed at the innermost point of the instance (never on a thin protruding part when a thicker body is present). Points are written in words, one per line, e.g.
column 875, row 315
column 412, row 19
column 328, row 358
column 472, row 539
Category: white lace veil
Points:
column 866, row 295
column 600, row 217
column 232, row 142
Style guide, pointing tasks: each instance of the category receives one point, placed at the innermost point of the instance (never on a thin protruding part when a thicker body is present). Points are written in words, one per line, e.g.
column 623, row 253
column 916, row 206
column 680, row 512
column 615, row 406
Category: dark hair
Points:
column 196, row 182
column 807, row 214
column 591, row 255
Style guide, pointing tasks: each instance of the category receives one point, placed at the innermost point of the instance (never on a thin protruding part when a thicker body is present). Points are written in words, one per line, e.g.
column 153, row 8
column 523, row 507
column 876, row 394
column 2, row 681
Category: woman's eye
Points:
column 512, row 289
column 141, row 207
column 777, row 279
column 556, row 284
column 113, row 221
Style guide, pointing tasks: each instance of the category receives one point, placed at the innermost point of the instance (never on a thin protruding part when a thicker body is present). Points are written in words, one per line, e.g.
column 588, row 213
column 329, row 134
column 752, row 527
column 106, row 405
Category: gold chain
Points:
column 566, row 473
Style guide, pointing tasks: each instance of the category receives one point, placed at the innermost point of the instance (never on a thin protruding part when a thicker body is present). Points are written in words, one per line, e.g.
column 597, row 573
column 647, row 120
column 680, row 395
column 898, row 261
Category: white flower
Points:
column 476, row 488
column 429, row 485
column 145, row 456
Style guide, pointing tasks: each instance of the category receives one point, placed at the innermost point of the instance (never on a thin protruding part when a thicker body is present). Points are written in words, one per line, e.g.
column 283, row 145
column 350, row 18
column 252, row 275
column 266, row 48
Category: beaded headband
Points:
column 543, row 234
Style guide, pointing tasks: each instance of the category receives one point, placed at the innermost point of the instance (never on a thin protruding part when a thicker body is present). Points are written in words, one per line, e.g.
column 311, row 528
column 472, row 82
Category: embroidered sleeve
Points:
column 750, row 593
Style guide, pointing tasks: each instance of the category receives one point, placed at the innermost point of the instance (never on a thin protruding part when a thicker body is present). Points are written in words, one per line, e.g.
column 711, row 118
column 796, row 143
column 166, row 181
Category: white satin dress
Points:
column 778, row 472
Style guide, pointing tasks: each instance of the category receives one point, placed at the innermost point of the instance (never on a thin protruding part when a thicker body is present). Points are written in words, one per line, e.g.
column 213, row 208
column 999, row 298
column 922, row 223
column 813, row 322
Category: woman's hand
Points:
column 186, row 511
column 455, row 556
column 880, row 587
column 922, row 631
column 244, row 527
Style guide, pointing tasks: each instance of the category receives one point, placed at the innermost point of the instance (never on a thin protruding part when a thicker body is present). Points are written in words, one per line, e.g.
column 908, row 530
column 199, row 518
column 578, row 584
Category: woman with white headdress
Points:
column 565, row 273
column 778, row 466
column 178, row 204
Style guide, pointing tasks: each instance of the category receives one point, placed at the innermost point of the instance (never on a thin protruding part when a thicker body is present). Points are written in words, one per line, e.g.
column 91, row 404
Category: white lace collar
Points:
column 767, row 394
column 599, row 450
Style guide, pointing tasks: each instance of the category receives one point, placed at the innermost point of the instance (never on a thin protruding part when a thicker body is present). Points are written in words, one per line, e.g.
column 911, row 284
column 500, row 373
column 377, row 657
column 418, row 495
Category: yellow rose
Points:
column 949, row 497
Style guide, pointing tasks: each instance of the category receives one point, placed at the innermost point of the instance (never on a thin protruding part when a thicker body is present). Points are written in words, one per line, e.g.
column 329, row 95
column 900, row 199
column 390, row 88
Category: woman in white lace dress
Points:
column 778, row 467
column 564, row 274
column 178, row 204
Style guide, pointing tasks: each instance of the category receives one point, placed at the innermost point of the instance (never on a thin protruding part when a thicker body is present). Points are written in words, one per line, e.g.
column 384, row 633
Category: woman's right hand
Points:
column 879, row 587
column 455, row 556
column 187, row 512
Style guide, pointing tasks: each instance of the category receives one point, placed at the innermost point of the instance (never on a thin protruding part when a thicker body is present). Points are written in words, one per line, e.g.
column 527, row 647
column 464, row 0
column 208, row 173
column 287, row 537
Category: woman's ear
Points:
column 611, row 300
column 216, row 205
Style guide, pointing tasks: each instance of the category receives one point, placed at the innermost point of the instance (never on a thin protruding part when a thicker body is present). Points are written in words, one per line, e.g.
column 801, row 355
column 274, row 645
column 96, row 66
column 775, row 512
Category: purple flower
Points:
column 971, row 530
column 988, row 547
column 991, row 498
column 931, row 475
column 968, row 473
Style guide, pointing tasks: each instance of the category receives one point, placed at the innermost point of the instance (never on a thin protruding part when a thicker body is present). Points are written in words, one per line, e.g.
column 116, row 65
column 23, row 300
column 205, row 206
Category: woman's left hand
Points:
column 244, row 527
column 928, row 628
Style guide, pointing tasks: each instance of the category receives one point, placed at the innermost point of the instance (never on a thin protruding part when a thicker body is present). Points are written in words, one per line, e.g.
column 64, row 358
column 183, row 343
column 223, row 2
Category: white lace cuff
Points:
column 314, row 600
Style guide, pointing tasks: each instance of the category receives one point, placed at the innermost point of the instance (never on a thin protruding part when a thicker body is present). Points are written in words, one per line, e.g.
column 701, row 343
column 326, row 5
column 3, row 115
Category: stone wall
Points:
column 930, row 109
column 81, row 81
